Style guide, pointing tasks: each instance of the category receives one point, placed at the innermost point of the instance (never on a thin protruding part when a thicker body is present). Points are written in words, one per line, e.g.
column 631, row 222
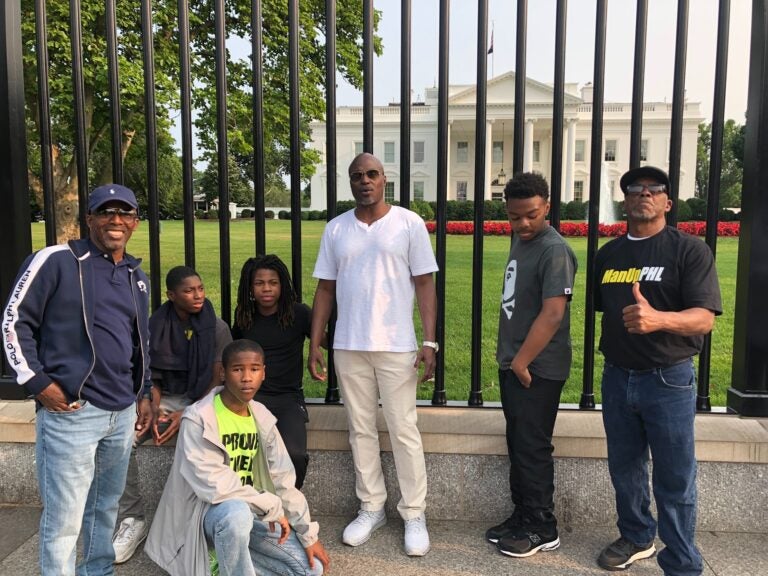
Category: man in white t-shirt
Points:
column 372, row 261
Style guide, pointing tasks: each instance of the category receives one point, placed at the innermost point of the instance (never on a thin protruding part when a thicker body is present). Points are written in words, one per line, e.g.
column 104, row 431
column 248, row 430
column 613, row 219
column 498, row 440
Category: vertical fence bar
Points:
column 520, row 75
column 678, row 107
column 223, row 158
column 295, row 137
column 15, row 233
column 150, row 123
column 78, row 88
column 476, row 392
column 113, row 71
column 596, row 151
column 44, row 110
column 748, row 393
column 638, row 84
column 185, row 119
column 368, row 76
column 558, row 112
column 405, row 103
column 332, row 387
column 257, row 43
column 713, row 190
column 438, row 396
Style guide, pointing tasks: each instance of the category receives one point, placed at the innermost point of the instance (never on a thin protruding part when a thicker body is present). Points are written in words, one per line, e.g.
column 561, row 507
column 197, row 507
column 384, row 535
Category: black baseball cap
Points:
column 651, row 172
column 109, row 193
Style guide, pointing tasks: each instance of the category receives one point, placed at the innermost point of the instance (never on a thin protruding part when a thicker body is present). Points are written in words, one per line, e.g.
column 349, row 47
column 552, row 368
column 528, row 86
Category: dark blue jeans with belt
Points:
column 654, row 409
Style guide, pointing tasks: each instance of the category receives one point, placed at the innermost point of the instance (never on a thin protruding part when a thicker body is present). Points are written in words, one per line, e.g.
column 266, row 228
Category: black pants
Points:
column 530, row 414
column 292, row 418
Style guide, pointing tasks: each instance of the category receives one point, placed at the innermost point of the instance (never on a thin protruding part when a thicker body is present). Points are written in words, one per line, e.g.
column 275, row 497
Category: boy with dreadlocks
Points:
column 267, row 312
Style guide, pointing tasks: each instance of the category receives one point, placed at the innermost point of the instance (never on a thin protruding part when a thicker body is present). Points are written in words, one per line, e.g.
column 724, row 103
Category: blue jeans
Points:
column 245, row 546
column 82, row 458
column 654, row 409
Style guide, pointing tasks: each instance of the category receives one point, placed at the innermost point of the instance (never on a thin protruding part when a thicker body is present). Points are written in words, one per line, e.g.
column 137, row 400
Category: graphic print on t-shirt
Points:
column 508, row 294
column 240, row 439
column 632, row 275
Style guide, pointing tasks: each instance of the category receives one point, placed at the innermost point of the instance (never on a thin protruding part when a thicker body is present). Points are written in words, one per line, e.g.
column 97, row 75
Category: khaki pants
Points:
column 364, row 377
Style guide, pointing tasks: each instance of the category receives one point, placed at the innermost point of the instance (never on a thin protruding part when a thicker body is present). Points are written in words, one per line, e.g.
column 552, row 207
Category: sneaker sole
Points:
column 418, row 553
column 368, row 537
column 642, row 555
column 131, row 551
column 546, row 547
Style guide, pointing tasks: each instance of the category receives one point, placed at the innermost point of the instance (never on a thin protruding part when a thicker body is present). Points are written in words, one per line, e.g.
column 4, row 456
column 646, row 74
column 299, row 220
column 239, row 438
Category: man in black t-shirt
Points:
column 658, row 291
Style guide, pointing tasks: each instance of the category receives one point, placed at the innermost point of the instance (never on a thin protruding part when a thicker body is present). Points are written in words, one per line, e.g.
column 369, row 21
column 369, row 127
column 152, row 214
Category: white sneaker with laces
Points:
column 130, row 534
column 416, row 536
column 360, row 529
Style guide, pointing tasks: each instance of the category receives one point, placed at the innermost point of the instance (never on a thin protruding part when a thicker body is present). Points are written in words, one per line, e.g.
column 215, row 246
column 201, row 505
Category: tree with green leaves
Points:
column 732, row 168
column 167, row 93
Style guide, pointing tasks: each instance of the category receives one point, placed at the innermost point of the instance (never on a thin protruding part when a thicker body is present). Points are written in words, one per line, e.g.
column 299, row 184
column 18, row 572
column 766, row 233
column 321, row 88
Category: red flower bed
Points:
column 500, row 228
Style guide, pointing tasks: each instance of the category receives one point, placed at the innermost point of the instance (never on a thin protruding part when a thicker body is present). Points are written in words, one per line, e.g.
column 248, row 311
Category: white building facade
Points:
column 537, row 155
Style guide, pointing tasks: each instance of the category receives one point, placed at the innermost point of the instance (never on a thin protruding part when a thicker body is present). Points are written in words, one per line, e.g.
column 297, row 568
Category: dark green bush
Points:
column 269, row 214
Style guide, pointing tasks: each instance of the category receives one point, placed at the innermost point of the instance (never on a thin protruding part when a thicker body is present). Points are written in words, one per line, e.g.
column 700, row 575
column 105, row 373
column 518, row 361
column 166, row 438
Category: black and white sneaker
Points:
column 511, row 524
column 620, row 554
column 524, row 543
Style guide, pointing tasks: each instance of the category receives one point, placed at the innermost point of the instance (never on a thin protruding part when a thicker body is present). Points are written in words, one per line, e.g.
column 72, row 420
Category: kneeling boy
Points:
column 230, row 482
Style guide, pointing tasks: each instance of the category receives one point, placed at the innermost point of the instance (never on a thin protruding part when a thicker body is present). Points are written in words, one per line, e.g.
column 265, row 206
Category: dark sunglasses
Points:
column 652, row 188
column 357, row 176
column 109, row 213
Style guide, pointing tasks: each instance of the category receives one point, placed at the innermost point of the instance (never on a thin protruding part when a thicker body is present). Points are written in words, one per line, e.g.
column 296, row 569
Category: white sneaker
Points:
column 360, row 529
column 416, row 536
column 131, row 533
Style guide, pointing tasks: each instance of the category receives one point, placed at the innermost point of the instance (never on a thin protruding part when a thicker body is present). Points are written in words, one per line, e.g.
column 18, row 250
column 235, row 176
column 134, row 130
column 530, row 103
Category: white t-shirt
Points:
column 373, row 267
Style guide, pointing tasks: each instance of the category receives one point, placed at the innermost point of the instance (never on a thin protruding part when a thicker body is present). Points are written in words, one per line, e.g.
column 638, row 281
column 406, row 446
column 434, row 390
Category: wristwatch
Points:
column 434, row 345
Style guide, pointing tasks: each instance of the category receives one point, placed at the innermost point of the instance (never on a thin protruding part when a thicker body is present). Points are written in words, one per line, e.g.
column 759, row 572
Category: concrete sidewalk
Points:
column 458, row 549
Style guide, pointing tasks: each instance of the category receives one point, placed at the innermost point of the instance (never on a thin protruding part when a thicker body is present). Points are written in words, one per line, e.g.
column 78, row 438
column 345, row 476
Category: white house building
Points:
column 498, row 143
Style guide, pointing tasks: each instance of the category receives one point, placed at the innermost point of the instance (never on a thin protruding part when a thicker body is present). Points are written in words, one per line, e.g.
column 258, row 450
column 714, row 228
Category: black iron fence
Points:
column 749, row 388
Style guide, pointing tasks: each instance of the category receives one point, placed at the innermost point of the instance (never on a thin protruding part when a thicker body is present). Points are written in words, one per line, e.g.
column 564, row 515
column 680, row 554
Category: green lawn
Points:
column 458, row 296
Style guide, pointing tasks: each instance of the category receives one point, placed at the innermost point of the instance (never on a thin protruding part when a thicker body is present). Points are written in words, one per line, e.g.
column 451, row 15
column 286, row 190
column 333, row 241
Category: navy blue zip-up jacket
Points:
column 48, row 320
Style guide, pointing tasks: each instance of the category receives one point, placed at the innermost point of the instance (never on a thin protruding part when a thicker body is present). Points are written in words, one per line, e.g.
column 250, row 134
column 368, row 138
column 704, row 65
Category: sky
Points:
column 580, row 49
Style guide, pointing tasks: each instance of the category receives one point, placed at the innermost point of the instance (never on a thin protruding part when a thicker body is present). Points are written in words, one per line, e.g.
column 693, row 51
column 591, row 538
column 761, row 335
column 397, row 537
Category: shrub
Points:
column 575, row 210
column 344, row 206
column 698, row 208
column 725, row 215
column 212, row 215
column 246, row 213
column 305, row 215
column 423, row 209
column 315, row 215
column 495, row 210
column 269, row 214
column 284, row 215
column 199, row 214
column 684, row 212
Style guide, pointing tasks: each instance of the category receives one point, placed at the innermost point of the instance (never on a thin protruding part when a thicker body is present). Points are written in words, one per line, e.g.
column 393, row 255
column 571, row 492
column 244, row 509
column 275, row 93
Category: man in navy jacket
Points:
column 75, row 333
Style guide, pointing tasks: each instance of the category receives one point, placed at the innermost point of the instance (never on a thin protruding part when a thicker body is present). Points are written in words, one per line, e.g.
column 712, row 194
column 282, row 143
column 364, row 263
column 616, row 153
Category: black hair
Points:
column 238, row 346
column 246, row 309
column 526, row 185
column 177, row 275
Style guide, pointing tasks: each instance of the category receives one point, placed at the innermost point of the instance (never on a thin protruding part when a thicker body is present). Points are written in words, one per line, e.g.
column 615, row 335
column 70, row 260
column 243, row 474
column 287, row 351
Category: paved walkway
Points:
column 458, row 549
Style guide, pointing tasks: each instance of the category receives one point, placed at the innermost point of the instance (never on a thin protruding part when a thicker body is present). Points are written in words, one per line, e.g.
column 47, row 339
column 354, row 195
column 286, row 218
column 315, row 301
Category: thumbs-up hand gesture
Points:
column 641, row 317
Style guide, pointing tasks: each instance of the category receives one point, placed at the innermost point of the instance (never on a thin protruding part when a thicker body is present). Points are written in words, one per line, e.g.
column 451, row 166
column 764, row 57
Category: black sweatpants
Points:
column 292, row 418
column 530, row 414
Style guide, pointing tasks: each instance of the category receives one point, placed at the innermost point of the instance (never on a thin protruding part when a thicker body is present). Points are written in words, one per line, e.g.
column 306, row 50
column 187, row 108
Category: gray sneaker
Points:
column 360, row 529
column 129, row 536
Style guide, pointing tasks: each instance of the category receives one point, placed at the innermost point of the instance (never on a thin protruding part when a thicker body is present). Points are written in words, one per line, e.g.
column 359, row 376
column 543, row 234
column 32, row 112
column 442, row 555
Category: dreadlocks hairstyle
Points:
column 245, row 312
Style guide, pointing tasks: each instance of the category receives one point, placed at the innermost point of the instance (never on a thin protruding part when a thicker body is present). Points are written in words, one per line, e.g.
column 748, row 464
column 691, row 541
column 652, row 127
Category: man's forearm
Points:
column 321, row 312
column 427, row 301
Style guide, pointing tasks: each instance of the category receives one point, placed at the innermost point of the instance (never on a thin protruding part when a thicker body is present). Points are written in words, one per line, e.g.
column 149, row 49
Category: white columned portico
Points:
column 528, row 145
column 488, row 158
column 570, row 150
column 448, row 183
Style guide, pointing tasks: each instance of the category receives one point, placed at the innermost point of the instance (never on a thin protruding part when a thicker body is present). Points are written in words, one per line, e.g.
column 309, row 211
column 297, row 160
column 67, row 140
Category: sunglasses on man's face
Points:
column 109, row 213
column 652, row 188
column 357, row 176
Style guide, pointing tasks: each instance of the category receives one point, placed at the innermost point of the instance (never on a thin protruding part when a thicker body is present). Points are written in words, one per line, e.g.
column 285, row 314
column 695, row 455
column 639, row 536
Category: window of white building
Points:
column 610, row 151
column 643, row 150
column 389, row 152
column 462, row 152
column 389, row 192
column 498, row 152
column 536, row 151
column 461, row 190
column 418, row 151
column 418, row 190
column 578, row 155
column 578, row 190
column 358, row 148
